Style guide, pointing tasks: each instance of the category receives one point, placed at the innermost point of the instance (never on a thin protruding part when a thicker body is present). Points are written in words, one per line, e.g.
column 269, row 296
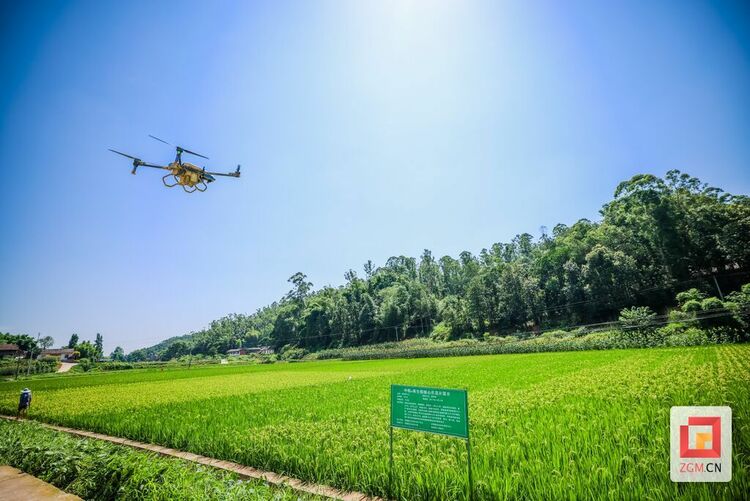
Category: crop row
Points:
column 543, row 426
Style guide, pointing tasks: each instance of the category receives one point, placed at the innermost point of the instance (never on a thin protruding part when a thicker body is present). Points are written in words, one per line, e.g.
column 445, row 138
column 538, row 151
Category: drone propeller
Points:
column 163, row 141
column 180, row 149
column 124, row 154
column 136, row 161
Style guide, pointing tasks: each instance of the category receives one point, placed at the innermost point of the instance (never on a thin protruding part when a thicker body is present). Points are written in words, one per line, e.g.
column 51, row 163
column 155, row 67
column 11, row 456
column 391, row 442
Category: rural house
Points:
column 9, row 350
column 64, row 354
column 260, row 350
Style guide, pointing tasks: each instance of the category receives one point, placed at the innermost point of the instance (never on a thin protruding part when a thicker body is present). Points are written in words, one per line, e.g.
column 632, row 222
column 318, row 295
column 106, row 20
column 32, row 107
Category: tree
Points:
column 176, row 350
column 300, row 288
column 637, row 323
column 118, row 355
column 99, row 345
column 690, row 295
column 25, row 343
column 738, row 303
column 46, row 342
column 429, row 274
column 454, row 311
column 87, row 350
column 73, row 343
column 654, row 235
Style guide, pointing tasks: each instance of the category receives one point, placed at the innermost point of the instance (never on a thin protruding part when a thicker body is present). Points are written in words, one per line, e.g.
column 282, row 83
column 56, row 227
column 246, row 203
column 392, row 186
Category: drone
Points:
column 191, row 177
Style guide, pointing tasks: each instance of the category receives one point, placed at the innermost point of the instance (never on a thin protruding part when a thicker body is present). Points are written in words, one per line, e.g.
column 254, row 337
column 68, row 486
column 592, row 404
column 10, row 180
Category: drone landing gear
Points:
column 202, row 186
column 164, row 180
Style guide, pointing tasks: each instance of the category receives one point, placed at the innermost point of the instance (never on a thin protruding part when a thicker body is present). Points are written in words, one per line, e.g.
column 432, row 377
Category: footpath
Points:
column 16, row 485
column 66, row 366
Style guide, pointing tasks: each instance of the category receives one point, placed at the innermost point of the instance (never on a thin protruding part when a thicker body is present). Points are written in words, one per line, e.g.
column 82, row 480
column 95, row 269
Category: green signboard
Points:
column 432, row 410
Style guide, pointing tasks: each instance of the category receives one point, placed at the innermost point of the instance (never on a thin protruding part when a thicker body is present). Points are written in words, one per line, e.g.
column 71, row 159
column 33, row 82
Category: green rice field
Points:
column 575, row 425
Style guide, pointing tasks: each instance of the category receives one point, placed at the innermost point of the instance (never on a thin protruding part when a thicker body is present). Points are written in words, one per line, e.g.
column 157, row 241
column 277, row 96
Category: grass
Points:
column 93, row 469
column 590, row 424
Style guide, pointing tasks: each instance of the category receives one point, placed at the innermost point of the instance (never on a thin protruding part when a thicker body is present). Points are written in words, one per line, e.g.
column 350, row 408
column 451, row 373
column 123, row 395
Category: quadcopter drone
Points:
column 190, row 177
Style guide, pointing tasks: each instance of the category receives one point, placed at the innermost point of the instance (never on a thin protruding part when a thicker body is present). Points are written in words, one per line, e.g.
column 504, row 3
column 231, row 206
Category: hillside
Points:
column 656, row 237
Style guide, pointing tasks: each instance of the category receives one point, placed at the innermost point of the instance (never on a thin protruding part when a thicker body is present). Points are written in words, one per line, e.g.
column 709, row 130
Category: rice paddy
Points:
column 544, row 426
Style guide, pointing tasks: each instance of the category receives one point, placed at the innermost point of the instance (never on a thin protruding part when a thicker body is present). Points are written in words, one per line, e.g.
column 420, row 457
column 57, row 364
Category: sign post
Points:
column 441, row 411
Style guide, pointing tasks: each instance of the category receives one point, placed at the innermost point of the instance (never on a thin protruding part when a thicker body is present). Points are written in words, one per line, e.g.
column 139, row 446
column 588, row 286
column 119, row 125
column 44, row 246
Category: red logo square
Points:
column 700, row 452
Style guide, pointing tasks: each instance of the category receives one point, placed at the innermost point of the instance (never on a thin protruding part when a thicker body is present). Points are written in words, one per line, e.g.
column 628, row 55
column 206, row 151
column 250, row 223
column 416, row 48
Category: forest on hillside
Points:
column 656, row 237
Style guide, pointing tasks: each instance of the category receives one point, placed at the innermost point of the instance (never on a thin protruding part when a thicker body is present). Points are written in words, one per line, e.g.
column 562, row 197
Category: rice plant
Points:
column 589, row 424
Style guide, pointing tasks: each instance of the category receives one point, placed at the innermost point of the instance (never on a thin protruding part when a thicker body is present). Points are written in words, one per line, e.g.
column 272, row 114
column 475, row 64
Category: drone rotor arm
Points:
column 144, row 164
column 226, row 174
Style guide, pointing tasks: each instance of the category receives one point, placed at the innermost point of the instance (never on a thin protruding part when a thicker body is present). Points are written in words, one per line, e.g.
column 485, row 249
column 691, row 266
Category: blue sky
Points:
column 365, row 130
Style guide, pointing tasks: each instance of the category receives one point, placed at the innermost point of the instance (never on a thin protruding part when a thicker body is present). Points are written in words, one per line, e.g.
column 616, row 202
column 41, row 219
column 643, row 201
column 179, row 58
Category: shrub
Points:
column 556, row 334
column 723, row 334
column 739, row 304
column 679, row 316
column 637, row 324
column 692, row 336
column 690, row 295
column 293, row 353
column 712, row 303
column 672, row 329
column 441, row 332
column 692, row 306
column 581, row 331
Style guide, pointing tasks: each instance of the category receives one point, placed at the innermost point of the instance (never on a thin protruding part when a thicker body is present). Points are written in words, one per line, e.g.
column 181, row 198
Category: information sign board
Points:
column 432, row 410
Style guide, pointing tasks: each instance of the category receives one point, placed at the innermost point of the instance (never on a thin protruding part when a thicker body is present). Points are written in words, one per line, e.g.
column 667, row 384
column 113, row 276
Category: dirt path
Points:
column 65, row 366
column 241, row 470
column 15, row 485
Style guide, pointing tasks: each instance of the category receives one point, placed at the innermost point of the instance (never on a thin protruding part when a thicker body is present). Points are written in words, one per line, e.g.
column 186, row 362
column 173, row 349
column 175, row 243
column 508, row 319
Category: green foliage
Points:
column 692, row 306
column 26, row 366
column 655, row 236
column 441, row 332
column 556, row 334
column 118, row 355
column 177, row 349
column 99, row 345
column 327, row 422
column 87, row 350
column 99, row 470
column 25, row 343
column 73, row 343
column 739, row 304
column 711, row 303
column 292, row 353
column 46, row 342
column 677, row 315
column 638, row 325
column 690, row 295
column 690, row 336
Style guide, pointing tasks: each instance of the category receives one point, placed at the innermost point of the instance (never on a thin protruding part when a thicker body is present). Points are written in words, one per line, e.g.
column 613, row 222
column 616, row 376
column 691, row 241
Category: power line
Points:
column 624, row 301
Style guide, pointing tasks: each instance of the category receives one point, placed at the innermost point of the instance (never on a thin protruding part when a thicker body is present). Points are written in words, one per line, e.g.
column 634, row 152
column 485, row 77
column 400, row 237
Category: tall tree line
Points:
column 657, row 236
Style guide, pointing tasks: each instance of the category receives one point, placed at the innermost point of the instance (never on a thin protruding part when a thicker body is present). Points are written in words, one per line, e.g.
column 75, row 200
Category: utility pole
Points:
column 716, row 283
column 31, row 355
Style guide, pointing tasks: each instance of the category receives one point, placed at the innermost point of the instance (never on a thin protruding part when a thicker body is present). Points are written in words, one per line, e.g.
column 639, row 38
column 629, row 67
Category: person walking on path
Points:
column 24, row 403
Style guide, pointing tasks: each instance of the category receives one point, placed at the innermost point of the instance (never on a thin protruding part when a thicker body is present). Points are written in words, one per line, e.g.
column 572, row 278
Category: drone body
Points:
column 189, row 176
